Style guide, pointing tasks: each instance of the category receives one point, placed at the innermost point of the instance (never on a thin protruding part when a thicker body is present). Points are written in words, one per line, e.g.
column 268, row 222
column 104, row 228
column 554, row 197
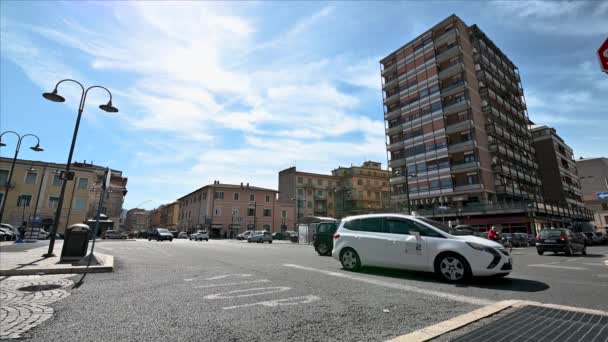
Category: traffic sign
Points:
column 603, row 54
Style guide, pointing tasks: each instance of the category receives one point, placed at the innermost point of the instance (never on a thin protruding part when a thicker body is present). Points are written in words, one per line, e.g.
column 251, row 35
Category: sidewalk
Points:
column 30, row 262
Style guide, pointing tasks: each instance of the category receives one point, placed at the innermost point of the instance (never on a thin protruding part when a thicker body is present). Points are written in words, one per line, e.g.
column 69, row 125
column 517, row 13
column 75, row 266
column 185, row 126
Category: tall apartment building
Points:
column 593, row 174
column 312, row 194
column 226, row 210
column 457, row 131
column 347, row 191
column 558, row 173
column 362, row 189
column 33, row 193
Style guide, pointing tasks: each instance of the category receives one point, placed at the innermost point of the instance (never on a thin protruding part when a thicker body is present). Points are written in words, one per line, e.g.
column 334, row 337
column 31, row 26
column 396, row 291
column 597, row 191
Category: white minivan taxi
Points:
column 419, row 244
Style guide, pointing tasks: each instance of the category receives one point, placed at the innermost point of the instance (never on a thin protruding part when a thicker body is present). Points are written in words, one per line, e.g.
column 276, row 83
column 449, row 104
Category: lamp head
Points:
column 53, row 96
column 109, row 108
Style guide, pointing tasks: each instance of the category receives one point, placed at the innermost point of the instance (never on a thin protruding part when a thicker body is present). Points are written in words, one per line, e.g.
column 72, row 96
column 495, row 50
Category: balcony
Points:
column 389, row 69
column 392, row 99
column 455, row 107
column 451, row 70
column 393, row 114
column 453, row 88
column 391, row 83
column 445, row 37
column 467, row 187
column 397, row 162
column 465, row 167
column 461, row 146
column 395, row 129
column 447, row 54
column 459, row 126
column 395, row 146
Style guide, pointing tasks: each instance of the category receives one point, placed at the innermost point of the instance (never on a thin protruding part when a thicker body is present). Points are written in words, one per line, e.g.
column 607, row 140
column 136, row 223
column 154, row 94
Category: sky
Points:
column 238, row 91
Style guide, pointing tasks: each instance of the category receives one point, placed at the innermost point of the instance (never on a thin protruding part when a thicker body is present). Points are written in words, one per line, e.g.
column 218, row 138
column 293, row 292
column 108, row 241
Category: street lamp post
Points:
column 7, row 185
column 67, row 174
column 407, row 189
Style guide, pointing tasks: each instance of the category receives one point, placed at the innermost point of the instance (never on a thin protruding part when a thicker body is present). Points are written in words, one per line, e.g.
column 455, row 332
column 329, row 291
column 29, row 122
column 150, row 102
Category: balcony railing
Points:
column 466, row 187
column 459, row 126
column 461, row 146
column 465, row 167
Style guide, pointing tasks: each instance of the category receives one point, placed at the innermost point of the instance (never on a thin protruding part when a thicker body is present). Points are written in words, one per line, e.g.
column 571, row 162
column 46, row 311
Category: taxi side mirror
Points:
column 416, row 235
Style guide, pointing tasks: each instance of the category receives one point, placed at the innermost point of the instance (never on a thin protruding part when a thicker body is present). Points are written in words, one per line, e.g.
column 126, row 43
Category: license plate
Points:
column 550, row 241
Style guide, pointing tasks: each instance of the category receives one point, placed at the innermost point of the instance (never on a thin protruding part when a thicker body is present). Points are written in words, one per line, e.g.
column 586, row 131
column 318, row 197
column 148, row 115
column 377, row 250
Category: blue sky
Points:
column 239, row 91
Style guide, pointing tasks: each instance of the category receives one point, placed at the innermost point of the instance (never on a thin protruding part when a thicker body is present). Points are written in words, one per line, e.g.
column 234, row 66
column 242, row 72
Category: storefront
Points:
column 216, row 231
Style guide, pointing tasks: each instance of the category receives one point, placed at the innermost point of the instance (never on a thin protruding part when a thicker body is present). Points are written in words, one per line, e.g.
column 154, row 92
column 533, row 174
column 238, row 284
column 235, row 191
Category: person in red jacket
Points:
column 493, row 234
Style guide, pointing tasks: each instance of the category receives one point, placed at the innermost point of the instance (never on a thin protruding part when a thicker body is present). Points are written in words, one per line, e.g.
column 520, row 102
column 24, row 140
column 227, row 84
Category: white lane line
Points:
column 229, row 284
column 409, row 288
column 602, row 275
column 575, row 259
column 594, row 264
column 279, row 302
column 230, row 275
column 189, row 279
column 559, row 266
column 258, row 291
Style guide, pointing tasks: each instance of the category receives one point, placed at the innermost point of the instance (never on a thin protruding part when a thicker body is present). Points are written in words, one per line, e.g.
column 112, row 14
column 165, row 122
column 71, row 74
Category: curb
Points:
column 107, row 266
column 458, row 322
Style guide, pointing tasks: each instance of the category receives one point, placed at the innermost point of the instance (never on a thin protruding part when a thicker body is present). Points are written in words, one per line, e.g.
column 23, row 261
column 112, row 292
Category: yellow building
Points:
column 362, row 189
column 169, row 215
column 33, row 193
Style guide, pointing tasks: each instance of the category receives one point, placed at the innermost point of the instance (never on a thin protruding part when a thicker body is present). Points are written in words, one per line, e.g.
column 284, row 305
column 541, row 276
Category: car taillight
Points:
column 537, row 237
column 336, row 235
column 563, row 238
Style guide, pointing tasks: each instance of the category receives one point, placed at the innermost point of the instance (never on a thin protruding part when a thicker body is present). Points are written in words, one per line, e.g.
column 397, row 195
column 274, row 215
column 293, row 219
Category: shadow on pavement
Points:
column 494, row 283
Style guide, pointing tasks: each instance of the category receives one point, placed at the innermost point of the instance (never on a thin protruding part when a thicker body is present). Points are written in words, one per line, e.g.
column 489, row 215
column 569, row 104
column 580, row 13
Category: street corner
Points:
column 25, row 301
column 517, row 320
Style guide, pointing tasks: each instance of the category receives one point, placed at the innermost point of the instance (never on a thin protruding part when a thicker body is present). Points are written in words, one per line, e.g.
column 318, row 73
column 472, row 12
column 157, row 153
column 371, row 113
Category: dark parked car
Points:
column 324, row 238
column 281, row 236
column 531, row 240
column 560, row 240
column 601, row 238
column 160, row 234
column 520, row 240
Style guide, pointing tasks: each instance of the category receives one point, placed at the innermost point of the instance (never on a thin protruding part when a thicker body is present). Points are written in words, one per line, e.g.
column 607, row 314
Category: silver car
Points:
column 260, row 237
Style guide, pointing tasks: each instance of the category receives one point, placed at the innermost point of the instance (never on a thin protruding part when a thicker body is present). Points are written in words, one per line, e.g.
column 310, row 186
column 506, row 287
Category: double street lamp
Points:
column 67, row 174
column 7, row 185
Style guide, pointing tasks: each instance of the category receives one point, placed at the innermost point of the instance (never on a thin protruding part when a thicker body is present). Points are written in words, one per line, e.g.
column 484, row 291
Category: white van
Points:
column 416, row 243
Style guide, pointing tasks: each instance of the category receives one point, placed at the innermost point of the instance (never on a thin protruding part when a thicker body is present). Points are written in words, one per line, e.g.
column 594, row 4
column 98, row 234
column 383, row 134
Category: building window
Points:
column 360, row 194
column 309, row 181
column 236, row 196
column 219, row 195
column 320, row 193
column 300, row 192
column 250, row 211
column 3, row 177
column 309, row 204
column 83, row 183
column 472, row 179
column 283, row 213
column 606, row 219
column 377, row 196
column 267, row 212
column 330, row 193
column 267, row 198
column 604, row 206
column 30, row 178
column 252, row 197
column 309, row 192
column 24, row 200
column 300, row 180
column 218, row 211
column 359, row 181
column 53, row 202
column 79, row 203
column 320, row 182
column 235, row 211
column 329, row 184
column 204, row 196
column 57, row 180
column 469, row 158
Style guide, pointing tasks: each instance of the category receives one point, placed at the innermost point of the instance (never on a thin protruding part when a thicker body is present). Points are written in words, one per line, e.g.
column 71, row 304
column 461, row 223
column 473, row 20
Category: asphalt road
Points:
column 234, row 291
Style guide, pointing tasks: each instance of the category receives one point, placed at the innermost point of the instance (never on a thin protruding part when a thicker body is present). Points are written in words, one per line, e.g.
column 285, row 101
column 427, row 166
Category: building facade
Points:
column 347, row 191
column 457, row 132
column 362, row 189
column 312, row 194
column 138, row 220
column 593, row 174
column 557, row 168
column 226, row 210
column 33, row 193
column 169, row 214
column 155, row 218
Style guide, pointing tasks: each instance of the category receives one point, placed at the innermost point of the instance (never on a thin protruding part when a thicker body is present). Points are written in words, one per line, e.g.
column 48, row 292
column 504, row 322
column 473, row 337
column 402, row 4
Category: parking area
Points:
column 224, row 290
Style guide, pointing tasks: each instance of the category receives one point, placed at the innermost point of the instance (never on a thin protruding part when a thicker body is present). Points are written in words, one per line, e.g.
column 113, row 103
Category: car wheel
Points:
column 206, row 239
column 269, row 241
column 540, row 252
column 569, row 251
column 350, row 259
column 452, row 268
column 322, row 249
column 170, row 240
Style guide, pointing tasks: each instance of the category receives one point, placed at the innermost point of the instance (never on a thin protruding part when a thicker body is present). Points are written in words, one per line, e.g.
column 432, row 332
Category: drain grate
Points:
column 536, row 323
column 36, row 288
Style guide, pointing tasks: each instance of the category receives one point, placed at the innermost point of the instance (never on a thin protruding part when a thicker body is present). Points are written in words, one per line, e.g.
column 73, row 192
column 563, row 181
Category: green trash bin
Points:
column 75, row 242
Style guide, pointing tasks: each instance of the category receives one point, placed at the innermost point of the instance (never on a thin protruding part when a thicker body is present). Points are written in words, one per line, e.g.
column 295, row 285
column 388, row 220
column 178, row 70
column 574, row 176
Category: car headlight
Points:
column 477, row 246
